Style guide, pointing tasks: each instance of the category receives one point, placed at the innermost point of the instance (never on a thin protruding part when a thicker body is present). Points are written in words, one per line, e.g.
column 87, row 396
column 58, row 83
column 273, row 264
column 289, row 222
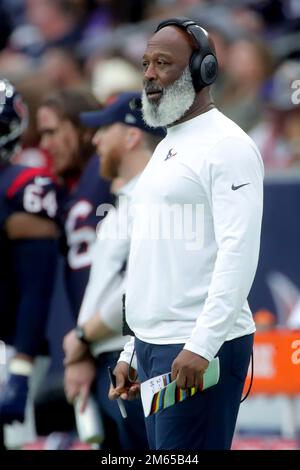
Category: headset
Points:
column 203, row 62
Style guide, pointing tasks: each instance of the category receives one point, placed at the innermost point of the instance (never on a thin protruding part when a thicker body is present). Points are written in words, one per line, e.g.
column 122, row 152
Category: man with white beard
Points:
column 186, row 297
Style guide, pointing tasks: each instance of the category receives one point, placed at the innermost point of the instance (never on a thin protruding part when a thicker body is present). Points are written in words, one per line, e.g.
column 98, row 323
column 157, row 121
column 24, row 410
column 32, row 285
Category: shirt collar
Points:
column 127, row 188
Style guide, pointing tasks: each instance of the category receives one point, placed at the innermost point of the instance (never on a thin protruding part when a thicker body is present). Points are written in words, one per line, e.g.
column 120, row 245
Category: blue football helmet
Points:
column 13, row 119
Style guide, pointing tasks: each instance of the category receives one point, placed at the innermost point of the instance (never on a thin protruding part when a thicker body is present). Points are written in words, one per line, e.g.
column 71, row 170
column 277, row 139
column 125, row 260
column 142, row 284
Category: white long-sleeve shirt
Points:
column 189, row 277
column 106, row 285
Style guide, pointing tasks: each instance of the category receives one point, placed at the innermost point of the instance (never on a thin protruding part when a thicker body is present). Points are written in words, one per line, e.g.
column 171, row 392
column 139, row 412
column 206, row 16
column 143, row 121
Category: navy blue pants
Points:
column 206, row 420
column 121, row 434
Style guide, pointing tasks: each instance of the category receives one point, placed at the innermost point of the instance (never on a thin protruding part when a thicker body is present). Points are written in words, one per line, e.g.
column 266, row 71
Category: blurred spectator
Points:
column 50, row 23
column 57, row 20
column 47, row 23
column 222, row 45
column 30, row 153
column 254, row 16
column 277, row 135
column 169, row 8
column 249, row 64
column 280, row 16
column 127, row 11
column 102, row 30
column 63, row 69
column 112, row 76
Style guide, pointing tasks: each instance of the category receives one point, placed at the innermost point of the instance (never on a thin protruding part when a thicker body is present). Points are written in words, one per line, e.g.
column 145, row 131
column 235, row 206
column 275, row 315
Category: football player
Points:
column 28, row 253
column 76, row 166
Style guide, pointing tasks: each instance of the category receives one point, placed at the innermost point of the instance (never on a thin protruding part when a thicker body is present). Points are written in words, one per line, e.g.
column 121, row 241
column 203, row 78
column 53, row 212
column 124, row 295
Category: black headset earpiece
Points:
column 203, row 61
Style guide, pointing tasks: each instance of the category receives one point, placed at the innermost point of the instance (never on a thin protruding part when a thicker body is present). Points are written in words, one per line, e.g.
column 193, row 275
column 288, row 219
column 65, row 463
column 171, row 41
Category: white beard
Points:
column 175, row 101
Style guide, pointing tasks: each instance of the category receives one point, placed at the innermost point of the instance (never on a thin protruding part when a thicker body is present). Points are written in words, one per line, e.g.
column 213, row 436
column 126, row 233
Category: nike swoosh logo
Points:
column 234, row 188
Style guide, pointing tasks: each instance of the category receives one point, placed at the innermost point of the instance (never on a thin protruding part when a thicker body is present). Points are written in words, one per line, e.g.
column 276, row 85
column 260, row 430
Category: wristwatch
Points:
column 79, row 331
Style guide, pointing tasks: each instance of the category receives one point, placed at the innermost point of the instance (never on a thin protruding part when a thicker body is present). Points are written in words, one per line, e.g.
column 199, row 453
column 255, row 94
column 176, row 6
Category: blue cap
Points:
column 125, row 109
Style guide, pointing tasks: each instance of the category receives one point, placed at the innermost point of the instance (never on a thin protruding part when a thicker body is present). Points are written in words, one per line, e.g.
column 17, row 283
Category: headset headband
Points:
column 192, row 28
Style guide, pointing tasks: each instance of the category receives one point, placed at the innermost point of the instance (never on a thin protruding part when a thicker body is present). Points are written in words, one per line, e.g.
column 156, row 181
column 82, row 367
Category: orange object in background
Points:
column 276, row 363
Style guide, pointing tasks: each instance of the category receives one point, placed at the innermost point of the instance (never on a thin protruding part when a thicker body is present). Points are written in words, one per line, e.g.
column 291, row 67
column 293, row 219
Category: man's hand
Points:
column 124, row 388
column 78, row 379
column 74, row 349
column 188, row 369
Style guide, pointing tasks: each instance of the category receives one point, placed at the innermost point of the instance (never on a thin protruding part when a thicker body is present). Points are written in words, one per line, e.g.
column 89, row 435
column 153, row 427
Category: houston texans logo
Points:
column 171, row 153
column 210, row 69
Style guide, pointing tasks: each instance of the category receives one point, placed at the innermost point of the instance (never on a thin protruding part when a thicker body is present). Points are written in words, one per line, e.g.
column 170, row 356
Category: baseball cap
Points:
column 278, row 91
column 121, row 110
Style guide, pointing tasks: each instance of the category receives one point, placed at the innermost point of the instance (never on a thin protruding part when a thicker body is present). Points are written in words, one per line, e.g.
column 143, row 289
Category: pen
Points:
column 120, row 402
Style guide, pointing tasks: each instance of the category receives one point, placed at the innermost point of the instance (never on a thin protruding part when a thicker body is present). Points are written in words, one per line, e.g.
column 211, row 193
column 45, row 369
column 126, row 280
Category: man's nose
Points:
column 150, row 73
column 45, row 142
column 96, row 138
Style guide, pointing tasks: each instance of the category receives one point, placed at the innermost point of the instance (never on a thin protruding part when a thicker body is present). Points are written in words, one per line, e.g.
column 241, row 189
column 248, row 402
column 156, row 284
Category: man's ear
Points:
column 133, row 137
